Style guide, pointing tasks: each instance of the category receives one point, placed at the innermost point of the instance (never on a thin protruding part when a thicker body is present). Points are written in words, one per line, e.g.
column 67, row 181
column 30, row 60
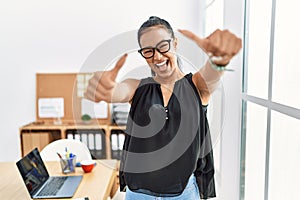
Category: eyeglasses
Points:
column 162, row 47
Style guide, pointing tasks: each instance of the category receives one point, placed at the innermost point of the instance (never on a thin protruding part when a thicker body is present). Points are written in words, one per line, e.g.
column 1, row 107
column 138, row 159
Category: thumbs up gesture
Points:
column 102, row 86
column 221, row 45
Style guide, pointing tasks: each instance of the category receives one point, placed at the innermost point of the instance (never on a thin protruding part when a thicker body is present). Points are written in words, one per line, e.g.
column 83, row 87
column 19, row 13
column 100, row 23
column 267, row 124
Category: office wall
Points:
column 57, row 36
column 231, row 137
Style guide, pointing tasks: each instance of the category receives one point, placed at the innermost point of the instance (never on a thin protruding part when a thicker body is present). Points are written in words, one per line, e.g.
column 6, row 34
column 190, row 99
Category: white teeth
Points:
column 161, row 64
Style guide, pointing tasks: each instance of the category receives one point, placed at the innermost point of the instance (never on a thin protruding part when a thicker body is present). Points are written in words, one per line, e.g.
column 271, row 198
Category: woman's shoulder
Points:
column 147, row 81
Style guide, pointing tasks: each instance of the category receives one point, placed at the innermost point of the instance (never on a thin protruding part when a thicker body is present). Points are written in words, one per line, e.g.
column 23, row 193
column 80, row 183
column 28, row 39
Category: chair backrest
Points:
column 49, row 153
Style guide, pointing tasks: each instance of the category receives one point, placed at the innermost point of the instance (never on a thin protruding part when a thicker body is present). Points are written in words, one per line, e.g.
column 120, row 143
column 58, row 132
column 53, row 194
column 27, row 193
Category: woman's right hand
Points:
column 102, row 86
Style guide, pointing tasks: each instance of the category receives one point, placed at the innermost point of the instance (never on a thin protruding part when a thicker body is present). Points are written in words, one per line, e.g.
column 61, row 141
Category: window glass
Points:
column 284, row 160
column 255, row 148
column 259, row 20
column 284, row 176
column 286, row 68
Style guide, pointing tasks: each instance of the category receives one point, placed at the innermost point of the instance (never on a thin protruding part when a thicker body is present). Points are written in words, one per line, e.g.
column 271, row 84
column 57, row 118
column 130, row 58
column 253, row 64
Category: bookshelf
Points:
column 69, row 87
column 96, row 137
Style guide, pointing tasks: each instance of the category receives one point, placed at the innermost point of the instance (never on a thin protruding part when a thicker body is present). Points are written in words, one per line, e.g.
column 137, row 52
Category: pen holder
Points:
column 68, row 164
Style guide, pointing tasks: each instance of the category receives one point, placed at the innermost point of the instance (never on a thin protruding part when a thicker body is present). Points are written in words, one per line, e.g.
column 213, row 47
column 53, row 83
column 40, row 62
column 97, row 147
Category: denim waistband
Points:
column 191, row 180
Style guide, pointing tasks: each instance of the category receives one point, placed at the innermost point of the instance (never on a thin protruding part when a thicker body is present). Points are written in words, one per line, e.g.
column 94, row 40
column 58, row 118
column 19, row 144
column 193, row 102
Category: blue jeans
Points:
column 191, row 192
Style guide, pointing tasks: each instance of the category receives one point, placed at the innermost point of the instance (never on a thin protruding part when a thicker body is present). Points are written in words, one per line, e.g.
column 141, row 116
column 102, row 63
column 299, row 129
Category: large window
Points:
column 271, row 102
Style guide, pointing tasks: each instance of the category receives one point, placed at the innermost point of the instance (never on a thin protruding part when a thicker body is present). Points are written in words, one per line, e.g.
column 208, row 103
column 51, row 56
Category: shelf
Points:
column 98, row 138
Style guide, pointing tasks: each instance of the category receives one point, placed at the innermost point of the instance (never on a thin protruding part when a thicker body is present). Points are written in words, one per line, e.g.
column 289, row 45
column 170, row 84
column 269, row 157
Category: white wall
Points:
column 230, row 144
column 57, row 36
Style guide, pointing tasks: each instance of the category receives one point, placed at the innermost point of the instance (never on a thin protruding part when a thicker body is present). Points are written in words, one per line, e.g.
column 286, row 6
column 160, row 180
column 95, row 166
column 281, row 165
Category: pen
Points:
column 67, row 153
column 58, row 155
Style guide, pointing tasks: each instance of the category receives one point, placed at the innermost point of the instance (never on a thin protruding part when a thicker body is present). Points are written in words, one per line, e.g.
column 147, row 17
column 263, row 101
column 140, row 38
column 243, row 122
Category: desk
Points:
column 96, row 185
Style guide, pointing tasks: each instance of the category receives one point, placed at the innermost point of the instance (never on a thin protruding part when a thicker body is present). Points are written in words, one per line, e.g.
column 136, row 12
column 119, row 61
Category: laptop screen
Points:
column 33, row 171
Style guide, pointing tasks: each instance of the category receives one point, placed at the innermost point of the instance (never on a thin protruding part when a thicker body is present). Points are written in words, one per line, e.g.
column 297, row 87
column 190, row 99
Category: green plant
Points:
column 86, row 117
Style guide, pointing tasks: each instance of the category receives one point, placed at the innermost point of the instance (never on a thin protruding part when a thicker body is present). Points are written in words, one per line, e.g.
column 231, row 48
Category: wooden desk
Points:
column 96, row 185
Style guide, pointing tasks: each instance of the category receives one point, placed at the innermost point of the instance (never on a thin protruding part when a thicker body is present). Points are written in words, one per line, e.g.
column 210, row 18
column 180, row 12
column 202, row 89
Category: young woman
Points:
column 167, row 151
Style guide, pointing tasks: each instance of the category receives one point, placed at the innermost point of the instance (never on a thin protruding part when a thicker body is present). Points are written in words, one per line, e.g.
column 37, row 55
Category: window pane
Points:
column 255, row 143
column 286, row 54
column 284, row 172
column 258, row 47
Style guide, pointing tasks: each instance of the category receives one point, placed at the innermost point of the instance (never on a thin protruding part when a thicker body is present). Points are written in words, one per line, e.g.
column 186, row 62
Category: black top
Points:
column 165, row 145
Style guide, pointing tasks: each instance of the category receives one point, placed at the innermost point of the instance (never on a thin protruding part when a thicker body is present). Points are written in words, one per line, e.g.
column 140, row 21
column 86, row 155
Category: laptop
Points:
column 38, row 182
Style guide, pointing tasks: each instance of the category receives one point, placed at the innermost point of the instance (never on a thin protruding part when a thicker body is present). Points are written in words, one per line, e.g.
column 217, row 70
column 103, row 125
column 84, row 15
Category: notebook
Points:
column 38, row 182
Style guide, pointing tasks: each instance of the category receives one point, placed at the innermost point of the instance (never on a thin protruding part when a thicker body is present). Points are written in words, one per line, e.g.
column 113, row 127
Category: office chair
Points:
column 76, row 147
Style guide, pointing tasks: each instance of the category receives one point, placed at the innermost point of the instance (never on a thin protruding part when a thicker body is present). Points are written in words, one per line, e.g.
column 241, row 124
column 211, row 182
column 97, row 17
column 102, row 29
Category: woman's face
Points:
column 163, row 64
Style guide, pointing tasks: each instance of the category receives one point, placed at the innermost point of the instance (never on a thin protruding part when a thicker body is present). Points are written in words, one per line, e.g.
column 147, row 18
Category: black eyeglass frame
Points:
column 153, row 49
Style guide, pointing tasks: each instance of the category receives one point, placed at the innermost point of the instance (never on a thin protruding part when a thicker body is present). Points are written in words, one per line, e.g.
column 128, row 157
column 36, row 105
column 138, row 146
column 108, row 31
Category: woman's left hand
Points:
column 220, row 46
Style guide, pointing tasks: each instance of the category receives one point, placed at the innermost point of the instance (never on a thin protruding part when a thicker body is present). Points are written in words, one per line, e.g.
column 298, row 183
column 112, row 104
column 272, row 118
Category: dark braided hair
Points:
column 156, row 21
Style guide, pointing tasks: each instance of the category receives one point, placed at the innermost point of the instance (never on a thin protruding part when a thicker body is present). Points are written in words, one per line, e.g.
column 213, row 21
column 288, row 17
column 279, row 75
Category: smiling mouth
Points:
column 158, row 65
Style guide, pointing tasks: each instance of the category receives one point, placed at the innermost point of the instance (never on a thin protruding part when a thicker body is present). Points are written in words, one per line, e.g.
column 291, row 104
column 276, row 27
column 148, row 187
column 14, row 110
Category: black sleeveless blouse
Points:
column 165, row 145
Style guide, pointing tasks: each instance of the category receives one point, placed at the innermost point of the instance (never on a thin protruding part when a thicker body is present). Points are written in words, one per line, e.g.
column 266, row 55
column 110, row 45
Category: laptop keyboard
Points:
column 52, row 187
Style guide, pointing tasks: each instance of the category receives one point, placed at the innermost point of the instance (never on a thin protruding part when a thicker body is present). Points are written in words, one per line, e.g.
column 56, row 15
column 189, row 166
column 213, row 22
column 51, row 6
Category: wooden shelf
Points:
column 43, row 131
column 39, row 134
